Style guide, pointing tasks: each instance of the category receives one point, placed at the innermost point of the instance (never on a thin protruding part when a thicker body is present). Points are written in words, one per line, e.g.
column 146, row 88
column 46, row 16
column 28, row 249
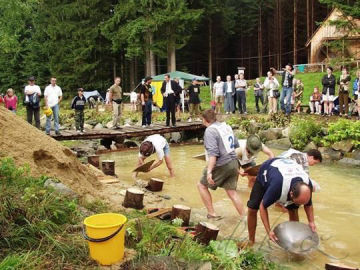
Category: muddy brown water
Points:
column 336, row 206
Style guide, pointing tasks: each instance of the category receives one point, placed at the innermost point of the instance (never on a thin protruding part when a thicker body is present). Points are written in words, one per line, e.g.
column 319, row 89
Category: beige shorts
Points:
column 219, row 99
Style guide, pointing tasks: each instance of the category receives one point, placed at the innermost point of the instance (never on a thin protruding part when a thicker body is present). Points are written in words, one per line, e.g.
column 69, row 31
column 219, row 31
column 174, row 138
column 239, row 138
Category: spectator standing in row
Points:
column 315, row 99
column 287, row 89
column 298, row 95
column 272, row 85
column 178, row 100
column 194, row 99
column 133, row 100
column 170, row 89
column 259, row 95
column 32, row 102
column 344, row 82
column 53, row 97
column 218, row 93
column 356, row 92
column 10, row 100
column 115, row 96
column 241, row 88
column 78, row 104
column 229, row 92
column 146, row 101
column 328, row 93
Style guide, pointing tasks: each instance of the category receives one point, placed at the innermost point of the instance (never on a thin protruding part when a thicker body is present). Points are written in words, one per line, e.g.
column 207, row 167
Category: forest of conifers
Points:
column 84, row 43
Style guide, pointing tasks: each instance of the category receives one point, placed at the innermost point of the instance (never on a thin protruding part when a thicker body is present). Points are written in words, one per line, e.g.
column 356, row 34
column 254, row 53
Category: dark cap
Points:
column 31, row 78
column 148, row 78
column 80, row 89
column 290, row 65
column 146, row 148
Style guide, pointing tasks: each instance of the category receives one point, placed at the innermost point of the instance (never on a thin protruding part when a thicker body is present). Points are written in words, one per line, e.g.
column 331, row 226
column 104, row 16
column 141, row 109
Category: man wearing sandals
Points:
column 222, row 166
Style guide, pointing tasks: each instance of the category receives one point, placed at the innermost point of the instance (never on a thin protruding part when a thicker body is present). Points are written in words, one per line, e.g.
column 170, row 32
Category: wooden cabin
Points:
column 320, row 52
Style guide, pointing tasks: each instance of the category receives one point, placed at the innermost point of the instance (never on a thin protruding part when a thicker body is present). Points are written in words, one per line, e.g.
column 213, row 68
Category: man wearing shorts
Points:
column 156, row 144
column 218, row 93
column 222, row 167
column 281, row 181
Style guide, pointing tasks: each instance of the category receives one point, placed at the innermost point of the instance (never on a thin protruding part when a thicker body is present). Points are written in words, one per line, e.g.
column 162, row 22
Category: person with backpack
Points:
column 78, row 104
column 32, row 102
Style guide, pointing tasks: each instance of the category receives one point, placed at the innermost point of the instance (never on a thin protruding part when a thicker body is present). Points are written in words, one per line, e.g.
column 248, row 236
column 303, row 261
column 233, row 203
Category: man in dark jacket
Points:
column 170, row 89
column 287, row 89
column 328, row 81
column 146, row 102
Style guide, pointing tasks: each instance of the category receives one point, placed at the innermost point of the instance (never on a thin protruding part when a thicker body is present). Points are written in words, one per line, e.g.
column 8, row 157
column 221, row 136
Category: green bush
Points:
column 343, row 130
column 302, row 132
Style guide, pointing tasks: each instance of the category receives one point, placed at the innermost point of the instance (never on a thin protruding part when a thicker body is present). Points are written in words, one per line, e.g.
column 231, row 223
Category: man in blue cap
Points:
column 194, row 99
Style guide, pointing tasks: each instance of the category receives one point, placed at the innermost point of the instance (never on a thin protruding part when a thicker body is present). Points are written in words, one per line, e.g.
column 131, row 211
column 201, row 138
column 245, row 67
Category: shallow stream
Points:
column 336, row 207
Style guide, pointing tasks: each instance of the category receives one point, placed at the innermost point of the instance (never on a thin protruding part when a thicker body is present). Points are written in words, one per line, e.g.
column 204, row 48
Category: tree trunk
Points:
column 308, row 27
column 205, row 232
column 108, row 167
column 338, row 266
column 210, row 50
column 155, row 184
column 295, row 32
column 280, row 34
column 114, row 68
column 260, row 53
column 134, row 198
column 131, row 74
column 171, row 55
column 183, row 212
column 151, row 56
column 147, row 55
column 94, row 160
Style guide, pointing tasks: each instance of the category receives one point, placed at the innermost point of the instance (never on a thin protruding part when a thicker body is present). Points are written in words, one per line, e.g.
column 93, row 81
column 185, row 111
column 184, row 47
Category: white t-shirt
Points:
column 168, row 90
column 52, row 94
column 133, row 96
column 31, row 89
column 159, row 143
column 219, row 88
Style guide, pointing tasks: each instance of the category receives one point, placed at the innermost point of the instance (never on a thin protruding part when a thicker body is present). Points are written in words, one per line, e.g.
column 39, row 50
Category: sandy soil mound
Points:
column 28, row 145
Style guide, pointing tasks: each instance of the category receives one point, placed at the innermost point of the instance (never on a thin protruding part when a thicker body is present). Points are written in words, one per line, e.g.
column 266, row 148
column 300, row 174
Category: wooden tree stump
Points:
column 134, row 198
column 155, row 184
column 94, row 160
column 338, row 266
column 108, row 167
column 183, row 212
column 205, row 232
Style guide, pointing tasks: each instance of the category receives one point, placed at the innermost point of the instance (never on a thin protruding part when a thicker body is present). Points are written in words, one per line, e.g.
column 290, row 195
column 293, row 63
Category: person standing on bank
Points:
column 280, row 181
column 10, row 100
column 53, row 97
column 287, row 89
column 344, row 82
column 241, row 87
column 328, row 81
column 222, row 166
column 272, row 86
column 218, row 94
column 32, row 102
column 170, row 89
column 259, row 95
column 78, row 104
column 194, row 99
column 146, row 102
column 229, row 92
column 356, row 92
column 115, row 96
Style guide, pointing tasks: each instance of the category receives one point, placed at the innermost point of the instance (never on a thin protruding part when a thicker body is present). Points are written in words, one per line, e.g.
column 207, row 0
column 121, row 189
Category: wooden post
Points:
column 155, row 184
column 335, row 266
column 108, row 167
column 134, row 198
column 94, row 160
column 205, row 232
column 183, row 212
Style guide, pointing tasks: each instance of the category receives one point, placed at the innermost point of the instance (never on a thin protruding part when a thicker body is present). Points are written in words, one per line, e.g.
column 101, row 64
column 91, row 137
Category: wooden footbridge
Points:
column 126, row 132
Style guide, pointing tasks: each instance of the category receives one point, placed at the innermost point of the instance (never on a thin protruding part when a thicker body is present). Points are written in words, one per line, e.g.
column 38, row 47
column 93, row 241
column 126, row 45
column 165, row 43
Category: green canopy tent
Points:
column 181, row 75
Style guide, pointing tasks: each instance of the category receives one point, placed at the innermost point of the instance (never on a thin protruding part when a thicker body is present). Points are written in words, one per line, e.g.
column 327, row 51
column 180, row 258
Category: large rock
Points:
column 254, row 127
column 92, row 122
column 60, row 188
column 271, row 134
column 309, row 146
column 285, row 132
column 344, row 146
column 329, row 153
column 87, row 126
column 109, row 125
column 131, row 143
column 282, row 144
column 356, row 154
column 175, row 137
column 83, row 151
column 98, row 126
column 350, row 162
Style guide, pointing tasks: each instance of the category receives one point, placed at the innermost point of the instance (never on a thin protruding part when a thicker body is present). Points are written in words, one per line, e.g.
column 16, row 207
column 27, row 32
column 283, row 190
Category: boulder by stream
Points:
column 330, row 154
column 270, row 134
column 283, row 144
column 344, row 146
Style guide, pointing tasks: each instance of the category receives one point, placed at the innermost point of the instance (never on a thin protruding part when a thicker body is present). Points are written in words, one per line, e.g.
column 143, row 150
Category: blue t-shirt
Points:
column 272, row 182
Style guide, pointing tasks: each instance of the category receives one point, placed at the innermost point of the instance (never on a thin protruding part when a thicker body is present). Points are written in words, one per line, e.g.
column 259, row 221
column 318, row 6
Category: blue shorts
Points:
column 167, row 149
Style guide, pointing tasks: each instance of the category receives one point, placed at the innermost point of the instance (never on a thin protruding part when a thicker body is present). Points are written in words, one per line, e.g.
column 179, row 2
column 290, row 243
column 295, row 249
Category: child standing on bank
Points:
column 133, row 100
column 78, row 104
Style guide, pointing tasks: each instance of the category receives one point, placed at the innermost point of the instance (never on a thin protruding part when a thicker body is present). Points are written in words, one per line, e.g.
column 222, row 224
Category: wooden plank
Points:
column 160, row 212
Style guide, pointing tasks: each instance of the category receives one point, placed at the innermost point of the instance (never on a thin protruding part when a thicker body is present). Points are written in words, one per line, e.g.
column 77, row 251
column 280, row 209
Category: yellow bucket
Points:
column 105, row 234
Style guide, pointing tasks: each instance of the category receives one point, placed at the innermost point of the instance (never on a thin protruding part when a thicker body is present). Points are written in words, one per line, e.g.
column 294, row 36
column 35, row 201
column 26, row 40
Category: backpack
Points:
column 33, row 101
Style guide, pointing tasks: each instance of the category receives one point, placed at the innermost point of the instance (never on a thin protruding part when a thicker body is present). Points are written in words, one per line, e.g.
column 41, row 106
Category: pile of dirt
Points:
column 45, row 156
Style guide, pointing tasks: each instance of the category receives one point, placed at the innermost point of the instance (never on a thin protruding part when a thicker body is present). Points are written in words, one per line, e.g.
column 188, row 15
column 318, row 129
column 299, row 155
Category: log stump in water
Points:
column 183, row 212
column 155, row 184
column 108, row 167
column 336, row 266
column 94, row 160
column 134, row 198
column 205, row 232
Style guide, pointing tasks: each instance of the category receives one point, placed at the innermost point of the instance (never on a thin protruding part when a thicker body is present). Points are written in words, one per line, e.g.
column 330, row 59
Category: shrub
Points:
column 302, row 132
column 343, row 130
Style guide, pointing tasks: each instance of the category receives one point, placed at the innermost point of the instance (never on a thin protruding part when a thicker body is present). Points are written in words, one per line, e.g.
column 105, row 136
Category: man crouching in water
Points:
column 223, row 168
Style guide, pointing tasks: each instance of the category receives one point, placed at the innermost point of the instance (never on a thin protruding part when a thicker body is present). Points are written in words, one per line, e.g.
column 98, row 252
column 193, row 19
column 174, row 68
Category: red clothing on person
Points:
column 10, row 102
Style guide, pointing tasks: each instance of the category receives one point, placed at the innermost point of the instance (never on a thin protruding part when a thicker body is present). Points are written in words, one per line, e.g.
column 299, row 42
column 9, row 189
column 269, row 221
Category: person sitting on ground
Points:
column 284, row 181
column 259, row 95
column 299, row 92
column 315, row 101
column 133, row 100
column 10, row 100
column 156, row 144
column 194, row 99
column 222, row 166
column 78, row 104
column 247, row 153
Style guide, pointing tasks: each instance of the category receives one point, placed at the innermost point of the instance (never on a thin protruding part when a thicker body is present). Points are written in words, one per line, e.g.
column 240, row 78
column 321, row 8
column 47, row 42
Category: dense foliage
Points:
column 343, row 130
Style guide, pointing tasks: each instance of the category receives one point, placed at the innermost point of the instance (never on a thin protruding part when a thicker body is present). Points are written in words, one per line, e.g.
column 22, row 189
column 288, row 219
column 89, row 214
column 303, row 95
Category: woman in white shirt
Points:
column 218, row 94
column 133, row 100
column 272, row 84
